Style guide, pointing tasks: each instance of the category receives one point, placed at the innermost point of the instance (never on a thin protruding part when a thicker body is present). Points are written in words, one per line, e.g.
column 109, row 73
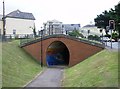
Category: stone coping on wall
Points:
column 62, row 36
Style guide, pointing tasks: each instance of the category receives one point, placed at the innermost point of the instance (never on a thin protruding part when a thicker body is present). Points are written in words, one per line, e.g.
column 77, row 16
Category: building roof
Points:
column 78, row 25
column 71, row 27
column 54, row 21
column 21, row 15
column 89, row 25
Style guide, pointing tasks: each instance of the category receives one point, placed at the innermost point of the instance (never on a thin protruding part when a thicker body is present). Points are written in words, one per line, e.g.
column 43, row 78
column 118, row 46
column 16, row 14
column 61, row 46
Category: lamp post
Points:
column 41, row 48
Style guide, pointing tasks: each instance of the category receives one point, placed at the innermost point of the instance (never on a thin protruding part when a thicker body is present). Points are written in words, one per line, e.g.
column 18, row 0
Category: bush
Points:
column 115, row 36
column 93, row 37
column 75, row 33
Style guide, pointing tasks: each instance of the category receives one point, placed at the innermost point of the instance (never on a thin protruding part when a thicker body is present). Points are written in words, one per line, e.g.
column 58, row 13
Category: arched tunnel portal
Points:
column 57, row 54
column 61, row 50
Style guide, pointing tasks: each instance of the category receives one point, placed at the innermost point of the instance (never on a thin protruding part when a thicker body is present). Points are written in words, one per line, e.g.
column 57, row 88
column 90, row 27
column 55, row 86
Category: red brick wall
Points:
column 78, row 50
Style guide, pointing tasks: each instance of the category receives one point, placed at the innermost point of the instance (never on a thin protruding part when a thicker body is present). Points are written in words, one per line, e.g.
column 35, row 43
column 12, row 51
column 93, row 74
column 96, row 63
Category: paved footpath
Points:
column 51, row 77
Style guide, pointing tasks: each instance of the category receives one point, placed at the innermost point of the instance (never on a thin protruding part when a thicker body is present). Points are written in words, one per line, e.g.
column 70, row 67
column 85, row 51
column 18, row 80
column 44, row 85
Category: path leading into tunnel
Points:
column 51, row 77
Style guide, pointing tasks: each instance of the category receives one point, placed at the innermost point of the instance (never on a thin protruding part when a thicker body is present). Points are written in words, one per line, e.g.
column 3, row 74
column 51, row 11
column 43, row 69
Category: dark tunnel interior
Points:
column 57, row 54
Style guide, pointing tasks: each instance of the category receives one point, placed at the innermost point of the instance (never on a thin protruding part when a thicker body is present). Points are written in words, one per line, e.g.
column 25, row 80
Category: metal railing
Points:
column 27, row 41
column 5, row 38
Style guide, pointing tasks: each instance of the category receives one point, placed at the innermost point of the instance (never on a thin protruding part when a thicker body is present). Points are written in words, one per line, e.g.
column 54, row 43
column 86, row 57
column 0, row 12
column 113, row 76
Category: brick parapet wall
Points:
column 78, row 49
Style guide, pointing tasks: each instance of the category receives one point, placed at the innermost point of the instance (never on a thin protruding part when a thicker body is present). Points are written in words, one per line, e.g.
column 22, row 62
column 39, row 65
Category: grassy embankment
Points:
column 100, row 70
column 18, row 67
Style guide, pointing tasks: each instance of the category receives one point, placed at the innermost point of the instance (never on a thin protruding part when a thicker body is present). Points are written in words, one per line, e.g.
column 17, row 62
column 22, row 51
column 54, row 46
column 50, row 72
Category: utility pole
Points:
column 4, row 32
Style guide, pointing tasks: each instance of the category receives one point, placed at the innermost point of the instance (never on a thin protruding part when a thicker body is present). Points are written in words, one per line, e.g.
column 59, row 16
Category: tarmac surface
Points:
column 51, row 77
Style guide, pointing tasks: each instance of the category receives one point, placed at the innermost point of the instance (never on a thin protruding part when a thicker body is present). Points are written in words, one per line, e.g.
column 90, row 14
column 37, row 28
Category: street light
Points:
column 41, row 48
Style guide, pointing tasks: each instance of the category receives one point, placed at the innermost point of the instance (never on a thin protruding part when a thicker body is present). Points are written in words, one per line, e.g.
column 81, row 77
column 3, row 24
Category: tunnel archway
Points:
column 57, row 54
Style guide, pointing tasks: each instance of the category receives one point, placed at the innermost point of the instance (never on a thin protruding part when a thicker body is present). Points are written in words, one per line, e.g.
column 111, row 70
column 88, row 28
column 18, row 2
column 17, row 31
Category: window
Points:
column 14, row 31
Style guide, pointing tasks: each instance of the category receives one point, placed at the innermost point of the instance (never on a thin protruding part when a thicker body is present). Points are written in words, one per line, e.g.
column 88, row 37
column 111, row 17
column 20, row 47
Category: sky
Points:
column 67, row 11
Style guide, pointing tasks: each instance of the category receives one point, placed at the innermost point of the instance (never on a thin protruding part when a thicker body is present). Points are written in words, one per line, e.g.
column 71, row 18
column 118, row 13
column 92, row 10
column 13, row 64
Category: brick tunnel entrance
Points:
column 57, row 54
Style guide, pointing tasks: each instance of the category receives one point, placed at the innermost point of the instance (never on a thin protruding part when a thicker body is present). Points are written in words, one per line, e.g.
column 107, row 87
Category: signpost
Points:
column 107, row 30
column 112, row 27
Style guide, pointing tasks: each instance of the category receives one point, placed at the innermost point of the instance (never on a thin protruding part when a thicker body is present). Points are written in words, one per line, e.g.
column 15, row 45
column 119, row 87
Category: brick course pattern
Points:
column 79, row 50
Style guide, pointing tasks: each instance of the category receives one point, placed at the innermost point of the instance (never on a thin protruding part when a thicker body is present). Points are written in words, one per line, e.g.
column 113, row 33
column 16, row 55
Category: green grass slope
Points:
column 100, row 70
column 18, row 67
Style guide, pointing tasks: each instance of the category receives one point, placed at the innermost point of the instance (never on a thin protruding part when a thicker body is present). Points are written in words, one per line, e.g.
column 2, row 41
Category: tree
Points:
column 93, row 37
column 34, row 30
column 75, row 33
column 117, row 12
column 102, row 20
column 114, row 36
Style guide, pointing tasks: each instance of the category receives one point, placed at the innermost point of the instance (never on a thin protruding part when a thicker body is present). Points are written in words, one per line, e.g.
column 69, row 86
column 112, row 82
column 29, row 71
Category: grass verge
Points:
column 100, row 70
column 18, row 67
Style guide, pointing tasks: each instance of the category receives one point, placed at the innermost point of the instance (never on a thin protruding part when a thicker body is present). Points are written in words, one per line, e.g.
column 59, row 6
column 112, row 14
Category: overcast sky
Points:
column 67, row 11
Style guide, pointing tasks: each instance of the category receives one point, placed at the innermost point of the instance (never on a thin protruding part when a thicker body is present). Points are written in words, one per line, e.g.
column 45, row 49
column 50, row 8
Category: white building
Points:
column 19, row 24
column 53, row 27
column 91, row 30
column 57, row 27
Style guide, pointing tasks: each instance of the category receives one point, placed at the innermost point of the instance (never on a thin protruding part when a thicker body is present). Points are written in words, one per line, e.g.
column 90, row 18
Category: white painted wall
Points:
column 93, row 31
column 22, row 26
